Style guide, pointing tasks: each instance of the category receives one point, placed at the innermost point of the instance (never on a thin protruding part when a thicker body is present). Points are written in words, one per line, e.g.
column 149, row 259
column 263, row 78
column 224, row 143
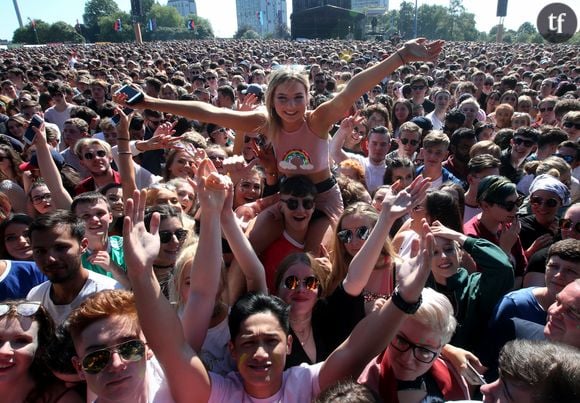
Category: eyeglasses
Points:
column 417, row 87
column 99, row 153
column 346, row 235
column 95, row 362
column 407, row 141
column 26, row 309
column 567, row 224
column 40, row 198
column 538, row 201
column 510, row 205
column 307, row 204
column 166, row 236
column 527, row 143
column 568, row 158
column 547, row 109
column 310, row 283
column 569, row 125
column 421, row 354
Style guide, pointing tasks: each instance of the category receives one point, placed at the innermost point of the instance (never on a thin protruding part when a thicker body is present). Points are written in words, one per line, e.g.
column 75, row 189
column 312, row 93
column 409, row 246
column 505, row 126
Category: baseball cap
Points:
column 33, row 163
column 255, row 89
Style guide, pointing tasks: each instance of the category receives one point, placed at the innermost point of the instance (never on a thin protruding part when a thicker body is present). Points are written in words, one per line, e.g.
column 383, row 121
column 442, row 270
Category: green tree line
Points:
column 99, row 21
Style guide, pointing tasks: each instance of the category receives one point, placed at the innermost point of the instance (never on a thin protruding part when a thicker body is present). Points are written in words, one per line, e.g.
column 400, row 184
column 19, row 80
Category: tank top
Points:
column 301, row 152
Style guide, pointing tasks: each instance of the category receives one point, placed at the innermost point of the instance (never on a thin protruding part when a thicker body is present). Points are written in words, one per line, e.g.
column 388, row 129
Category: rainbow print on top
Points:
column 296, row 159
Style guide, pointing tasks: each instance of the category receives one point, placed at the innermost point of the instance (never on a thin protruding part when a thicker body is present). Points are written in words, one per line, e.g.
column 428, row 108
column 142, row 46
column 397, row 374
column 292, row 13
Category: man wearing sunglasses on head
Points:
column 112, row 355
column 96, row 156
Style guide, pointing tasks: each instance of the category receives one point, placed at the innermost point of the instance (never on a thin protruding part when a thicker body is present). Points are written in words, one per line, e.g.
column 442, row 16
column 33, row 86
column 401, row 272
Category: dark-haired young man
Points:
column 58, row 241
column 523, row 143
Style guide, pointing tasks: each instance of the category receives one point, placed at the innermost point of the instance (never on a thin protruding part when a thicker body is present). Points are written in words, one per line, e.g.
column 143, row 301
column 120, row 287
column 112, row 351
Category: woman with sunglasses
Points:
column 547, row 196
column 363, row 258
column 26, row 329
column 172, row 236
column 498, row 223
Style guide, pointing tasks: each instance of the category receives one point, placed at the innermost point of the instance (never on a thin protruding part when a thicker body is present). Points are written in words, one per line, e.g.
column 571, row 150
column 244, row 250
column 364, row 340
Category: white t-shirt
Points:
column 299, row 385
column 373, row 173
column 215, row 353
column 95, row 283
column 437, row 124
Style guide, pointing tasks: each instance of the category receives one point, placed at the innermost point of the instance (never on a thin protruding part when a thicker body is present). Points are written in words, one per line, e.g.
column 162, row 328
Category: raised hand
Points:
column 418, row 268
column 140, row 246
column 404, row 201
column 237, row 167
column 509, row 235
column 249, row 104
column 420, row 50
column 440, row 230
column 211, row 187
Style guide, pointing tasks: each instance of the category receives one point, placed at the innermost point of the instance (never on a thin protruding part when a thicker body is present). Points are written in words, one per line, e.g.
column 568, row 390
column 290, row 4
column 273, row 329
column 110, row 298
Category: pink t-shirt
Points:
column 299, row 384
column 301, row 152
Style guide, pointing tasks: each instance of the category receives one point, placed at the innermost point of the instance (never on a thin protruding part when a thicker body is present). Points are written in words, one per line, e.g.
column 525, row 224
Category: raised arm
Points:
column 183, row 368
column 49, row 170
column 249, row 122
column 364, row 261
column 372, row 334
column 244, row 254
column 334, row 109
column 207, row 263
column 125, row 157
column 337, row 141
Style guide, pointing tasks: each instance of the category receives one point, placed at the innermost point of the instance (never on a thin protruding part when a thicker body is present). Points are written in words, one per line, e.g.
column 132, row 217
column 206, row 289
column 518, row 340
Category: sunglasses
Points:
column 222, row 130
column 95, row 362
column 527, row 143
column 307, row 204
column 346, row 235
column 548, row 109
column 26, row 309
column 310, row 283
column 569, row 125
column 166, row 236
column 40, row 198
column 567, row 224
column 510, row 205
column 568, row 158
column 407, row 141
column 417, row 87
column 538, row 201
column 90, row 156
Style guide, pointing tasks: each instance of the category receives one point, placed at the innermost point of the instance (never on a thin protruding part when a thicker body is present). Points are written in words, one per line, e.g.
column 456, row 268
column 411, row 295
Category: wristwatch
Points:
column 406, row 307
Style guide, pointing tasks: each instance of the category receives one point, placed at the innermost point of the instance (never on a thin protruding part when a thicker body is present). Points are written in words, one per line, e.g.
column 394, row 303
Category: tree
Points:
column 94, row 10
column 107, row 31
column 406, row 17
column 27, row 35
column 241, row 31
column 47, row 33
column 62, row 32
column 166, row 16
column 203, row 28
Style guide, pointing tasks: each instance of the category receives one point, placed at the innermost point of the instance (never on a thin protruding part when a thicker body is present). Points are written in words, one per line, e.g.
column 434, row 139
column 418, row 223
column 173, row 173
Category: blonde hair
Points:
column 436, row 312
column 277, row 78
column 340, row 257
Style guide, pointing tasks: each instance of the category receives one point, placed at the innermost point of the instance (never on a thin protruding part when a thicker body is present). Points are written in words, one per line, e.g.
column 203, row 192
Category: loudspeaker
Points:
column 136, row 8
column 502, row 8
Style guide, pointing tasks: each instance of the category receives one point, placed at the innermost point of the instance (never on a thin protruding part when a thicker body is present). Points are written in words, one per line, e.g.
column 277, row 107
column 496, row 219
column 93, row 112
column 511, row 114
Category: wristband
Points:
column 406, row 307
column 125, row 153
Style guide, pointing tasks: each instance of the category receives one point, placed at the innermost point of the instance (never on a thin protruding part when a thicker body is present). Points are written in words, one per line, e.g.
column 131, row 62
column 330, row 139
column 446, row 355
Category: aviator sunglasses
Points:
column 95, row 362
column 22, row 308
column 346, row 235
column 310, row 283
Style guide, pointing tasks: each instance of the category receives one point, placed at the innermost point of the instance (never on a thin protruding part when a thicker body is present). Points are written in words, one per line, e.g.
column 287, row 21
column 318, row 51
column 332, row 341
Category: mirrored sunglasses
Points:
column 95, row 362
column 310, row 283
column 346, row 235
column 22, row 308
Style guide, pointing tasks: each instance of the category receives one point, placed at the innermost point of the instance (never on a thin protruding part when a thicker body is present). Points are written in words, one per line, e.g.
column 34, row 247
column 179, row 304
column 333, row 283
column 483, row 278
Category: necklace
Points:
column 302, row 337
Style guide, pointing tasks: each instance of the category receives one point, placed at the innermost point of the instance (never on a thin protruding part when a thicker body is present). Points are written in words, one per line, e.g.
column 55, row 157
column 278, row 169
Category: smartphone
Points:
column 29, row 135
column 116, row 119
column 127, row 111
column 472, row 376
column 134, row 96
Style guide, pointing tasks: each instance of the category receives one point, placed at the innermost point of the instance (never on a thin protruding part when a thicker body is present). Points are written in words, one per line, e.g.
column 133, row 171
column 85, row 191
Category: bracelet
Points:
column 406, row 307
column 401, row 57
column 125, row 153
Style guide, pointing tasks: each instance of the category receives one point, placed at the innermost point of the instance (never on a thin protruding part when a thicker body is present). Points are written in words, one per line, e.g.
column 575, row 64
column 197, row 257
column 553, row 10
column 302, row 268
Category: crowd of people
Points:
column 275, row 221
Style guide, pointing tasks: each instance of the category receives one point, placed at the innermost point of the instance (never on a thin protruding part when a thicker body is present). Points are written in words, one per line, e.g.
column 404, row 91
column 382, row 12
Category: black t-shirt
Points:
column 531, row 229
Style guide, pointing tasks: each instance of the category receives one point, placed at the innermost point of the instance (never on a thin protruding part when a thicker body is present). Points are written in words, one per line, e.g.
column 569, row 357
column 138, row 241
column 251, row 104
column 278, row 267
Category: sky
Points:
column 223, row 18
